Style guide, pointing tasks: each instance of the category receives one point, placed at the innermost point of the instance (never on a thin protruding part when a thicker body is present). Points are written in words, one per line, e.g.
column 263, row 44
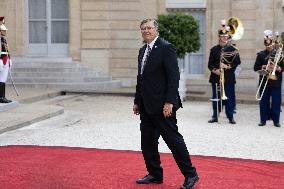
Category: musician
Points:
column 269, row 108
column 4, row 62
column 229, row 66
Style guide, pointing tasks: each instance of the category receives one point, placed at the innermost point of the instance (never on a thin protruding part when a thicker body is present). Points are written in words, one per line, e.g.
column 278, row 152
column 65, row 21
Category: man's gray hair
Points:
column 150, row 20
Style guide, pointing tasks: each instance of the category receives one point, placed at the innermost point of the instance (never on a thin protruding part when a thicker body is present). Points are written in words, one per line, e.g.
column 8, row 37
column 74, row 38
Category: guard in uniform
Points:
column 4, row 62
column 229, row 67
column 269, row 95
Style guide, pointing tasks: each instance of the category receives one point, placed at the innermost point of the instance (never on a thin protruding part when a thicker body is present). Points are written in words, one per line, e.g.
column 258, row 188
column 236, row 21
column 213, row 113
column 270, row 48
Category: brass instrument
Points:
column 236, row 28
column 273, row 60
column 278, row 58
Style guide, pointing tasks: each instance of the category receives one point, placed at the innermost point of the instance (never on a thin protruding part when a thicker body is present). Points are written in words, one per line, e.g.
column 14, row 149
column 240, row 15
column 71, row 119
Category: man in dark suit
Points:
column 157, row 100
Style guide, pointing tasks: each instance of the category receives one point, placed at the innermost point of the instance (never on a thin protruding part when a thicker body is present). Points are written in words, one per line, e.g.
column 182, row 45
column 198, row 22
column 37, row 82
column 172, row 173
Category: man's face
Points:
column 148, row 31
column 269, row 48
column 3, row 32
column 223, row 40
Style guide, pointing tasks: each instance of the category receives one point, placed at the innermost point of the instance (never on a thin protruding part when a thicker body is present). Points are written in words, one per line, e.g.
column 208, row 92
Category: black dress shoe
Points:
column 261, row 124
column 7, row 100
column 4, row 100
column 277, row 125
column 149, row 179
column 232, row 121
column 189, row 182
column 213, row 120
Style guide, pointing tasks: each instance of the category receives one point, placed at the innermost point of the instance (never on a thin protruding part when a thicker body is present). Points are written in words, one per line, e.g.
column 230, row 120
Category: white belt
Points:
column 4, row 52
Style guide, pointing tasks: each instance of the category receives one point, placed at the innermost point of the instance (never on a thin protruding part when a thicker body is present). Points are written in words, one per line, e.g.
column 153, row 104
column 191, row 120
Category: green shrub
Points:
column 181, row 30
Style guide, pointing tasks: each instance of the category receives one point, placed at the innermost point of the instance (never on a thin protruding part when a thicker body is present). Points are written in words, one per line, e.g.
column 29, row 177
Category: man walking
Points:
column 157, row 100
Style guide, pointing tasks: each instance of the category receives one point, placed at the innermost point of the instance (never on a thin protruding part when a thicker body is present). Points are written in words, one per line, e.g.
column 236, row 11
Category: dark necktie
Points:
column 146, row 58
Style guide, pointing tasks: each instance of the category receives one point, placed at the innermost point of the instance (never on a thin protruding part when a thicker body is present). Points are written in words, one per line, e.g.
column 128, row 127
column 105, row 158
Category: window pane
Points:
column 37, row 32
column 196, row 62
column 59, row 32
column 37, row 9
column 195, row 66
column 59, row 9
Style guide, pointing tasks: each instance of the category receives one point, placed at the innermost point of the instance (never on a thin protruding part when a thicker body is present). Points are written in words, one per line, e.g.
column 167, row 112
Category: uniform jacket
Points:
column 4, row 50
column 159, row 81
column 262, row 59
column 214, row 63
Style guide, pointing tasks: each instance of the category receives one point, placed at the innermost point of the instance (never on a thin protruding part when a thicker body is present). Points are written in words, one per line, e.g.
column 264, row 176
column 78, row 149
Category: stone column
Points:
column 74, row 29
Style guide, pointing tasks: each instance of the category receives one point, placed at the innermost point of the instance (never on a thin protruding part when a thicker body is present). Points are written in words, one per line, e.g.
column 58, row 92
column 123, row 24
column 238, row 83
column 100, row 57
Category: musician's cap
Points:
column 224, row 30
column 2, row 20
column 277, row 39
column 3, row 27
column 268, row 38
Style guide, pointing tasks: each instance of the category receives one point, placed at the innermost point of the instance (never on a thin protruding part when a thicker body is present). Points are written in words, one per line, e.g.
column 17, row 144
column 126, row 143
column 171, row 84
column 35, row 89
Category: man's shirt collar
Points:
column 153, row 42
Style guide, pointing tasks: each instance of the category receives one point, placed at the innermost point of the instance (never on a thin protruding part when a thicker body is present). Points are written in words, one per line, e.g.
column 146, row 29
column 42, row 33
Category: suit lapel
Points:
column 141, row 54
column 152, row 54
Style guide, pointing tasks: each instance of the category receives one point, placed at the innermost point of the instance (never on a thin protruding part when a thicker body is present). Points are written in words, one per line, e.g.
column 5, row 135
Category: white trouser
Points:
column 5, row 71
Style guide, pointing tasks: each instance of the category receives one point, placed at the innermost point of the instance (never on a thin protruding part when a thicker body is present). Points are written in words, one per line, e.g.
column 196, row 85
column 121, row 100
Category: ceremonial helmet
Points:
column 2, row 22
column 277, row 39
column 268, row 38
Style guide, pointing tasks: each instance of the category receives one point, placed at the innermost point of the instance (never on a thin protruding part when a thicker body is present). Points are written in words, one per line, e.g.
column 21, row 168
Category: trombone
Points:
column 224, row 58
column 274, row 60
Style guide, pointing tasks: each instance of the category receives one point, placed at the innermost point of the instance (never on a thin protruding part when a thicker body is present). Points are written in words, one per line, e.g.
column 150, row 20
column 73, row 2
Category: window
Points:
column 193, row 63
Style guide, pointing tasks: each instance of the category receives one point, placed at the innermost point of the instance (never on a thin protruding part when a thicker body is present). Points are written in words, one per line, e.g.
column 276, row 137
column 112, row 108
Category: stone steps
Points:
column 59, row 73
column 84, row 87
column 71, row 74
column 74, row 80
column 30, row 69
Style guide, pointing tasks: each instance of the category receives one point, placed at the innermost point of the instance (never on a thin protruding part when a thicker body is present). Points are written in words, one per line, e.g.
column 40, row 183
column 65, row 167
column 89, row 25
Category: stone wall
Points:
column 111, row 37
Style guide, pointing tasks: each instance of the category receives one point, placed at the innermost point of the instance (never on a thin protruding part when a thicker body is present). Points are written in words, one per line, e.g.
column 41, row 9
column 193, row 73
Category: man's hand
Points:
column 216, row 71
column 168, row 109
column 278, row 68
column 225, row 66
column 136, row 109
column 270, row 67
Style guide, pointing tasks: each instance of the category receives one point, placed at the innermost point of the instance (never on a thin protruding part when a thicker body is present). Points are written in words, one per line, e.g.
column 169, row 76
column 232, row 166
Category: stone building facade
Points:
column 104, row 34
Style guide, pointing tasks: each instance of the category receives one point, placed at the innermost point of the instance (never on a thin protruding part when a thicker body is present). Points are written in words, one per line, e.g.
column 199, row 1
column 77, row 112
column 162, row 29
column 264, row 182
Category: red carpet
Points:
column 25, row 167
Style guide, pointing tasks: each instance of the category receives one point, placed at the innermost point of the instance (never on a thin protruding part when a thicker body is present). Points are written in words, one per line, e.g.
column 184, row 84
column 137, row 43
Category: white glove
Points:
column 1, row 65
column 238, row 70
column 10, row 63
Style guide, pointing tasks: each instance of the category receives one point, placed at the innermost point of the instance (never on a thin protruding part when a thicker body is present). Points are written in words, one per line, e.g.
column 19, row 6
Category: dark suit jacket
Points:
column 160, row 79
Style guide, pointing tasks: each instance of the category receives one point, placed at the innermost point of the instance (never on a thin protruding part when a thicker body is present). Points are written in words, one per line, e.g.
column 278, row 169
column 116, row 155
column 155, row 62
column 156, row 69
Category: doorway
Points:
column 48, row 28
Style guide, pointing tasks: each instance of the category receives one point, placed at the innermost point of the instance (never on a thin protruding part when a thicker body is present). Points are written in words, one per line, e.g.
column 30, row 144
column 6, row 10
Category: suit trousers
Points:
column 229, row 104
column 152, row 126
column 267, row 109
